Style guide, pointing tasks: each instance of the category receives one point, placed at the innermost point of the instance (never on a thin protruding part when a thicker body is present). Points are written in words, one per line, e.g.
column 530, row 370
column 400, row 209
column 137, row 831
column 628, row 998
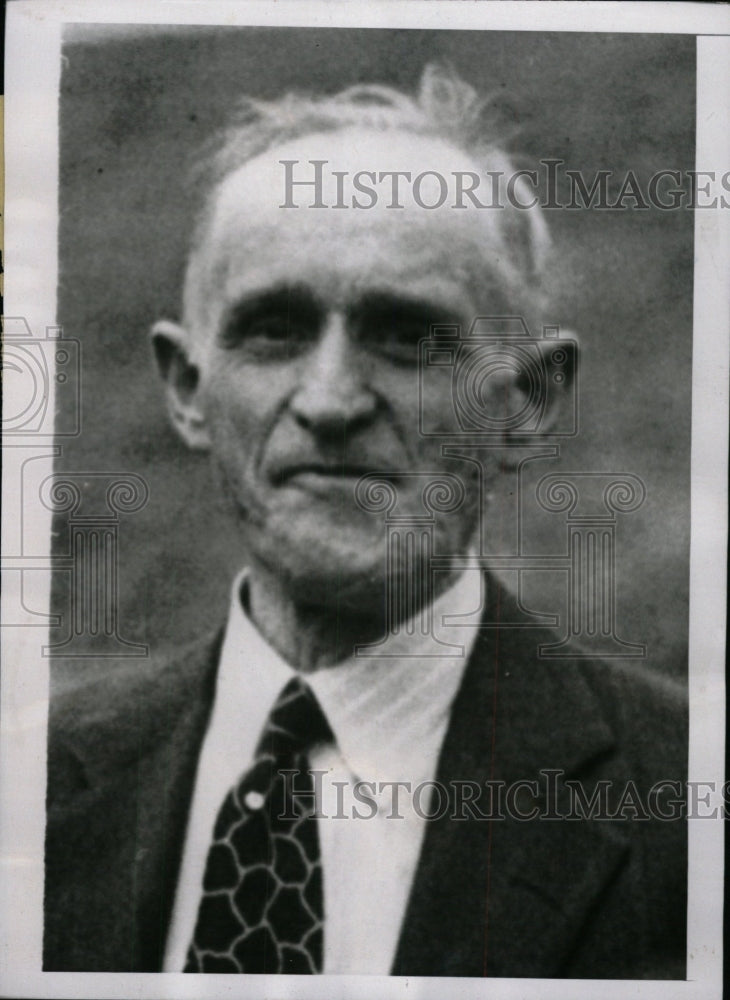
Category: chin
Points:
column 332, row 566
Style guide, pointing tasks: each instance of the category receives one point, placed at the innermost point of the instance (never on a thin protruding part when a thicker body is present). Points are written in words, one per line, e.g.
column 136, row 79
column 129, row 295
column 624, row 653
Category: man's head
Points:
column 296, row 363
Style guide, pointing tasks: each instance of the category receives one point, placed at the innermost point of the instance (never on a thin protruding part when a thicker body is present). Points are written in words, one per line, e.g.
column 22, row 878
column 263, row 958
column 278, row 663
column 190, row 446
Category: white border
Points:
column 33, row 66
column 708, row 546
column 527, row 15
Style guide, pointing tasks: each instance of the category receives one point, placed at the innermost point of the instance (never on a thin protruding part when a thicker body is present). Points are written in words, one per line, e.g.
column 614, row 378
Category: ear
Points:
column 171, row 346
column 558, row 359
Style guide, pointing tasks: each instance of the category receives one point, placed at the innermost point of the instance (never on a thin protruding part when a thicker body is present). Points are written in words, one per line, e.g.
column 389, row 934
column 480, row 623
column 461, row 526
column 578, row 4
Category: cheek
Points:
column 235, row 411
column 404, row 398
column 238, row 394
column 437, row 400
column 228, row 412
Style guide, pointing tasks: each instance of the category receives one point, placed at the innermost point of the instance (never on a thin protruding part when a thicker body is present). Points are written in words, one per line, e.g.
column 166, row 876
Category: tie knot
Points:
column 295, row 723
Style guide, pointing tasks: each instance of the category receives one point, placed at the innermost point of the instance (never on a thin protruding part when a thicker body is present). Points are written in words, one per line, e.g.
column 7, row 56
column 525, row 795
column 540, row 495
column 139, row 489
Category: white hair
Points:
column 445, row 107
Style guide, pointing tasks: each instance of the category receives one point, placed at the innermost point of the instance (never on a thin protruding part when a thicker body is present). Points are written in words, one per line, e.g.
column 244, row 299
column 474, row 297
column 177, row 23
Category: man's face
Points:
column 307, row 352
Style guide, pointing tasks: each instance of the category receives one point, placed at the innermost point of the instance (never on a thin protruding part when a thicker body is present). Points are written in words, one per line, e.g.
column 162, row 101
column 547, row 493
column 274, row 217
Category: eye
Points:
column 270, row 335
column 400, row 336
column 277, row 328
column 396, row 330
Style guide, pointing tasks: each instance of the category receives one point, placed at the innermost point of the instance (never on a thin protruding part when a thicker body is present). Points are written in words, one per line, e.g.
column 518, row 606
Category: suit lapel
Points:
column 501, row 896
column 114, row 841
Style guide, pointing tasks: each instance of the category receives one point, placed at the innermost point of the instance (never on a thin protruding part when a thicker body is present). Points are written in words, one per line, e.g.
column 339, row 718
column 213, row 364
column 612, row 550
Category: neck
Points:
column 306, row 634
column 312, row 635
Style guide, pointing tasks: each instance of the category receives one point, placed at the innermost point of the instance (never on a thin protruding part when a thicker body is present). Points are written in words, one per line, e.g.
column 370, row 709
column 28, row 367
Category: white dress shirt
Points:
column 389, row 715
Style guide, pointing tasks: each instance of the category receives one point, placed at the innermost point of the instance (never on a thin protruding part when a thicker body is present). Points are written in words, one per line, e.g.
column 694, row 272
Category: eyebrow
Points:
column 299, row 300
column 393, row 304
column 283, row 298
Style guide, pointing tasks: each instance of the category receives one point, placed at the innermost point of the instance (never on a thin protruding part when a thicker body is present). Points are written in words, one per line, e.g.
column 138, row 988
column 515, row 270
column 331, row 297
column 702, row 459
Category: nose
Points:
column 333, row 393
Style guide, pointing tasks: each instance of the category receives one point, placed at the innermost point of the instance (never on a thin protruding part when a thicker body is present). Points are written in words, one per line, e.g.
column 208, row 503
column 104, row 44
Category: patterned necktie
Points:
column 262, row 908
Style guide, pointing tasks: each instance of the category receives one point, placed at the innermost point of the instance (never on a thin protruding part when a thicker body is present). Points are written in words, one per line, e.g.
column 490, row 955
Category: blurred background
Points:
column 136, row 104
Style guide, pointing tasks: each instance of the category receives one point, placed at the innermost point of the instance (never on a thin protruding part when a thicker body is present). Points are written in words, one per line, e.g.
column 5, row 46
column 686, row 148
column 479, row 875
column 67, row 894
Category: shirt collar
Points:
column 388, row 706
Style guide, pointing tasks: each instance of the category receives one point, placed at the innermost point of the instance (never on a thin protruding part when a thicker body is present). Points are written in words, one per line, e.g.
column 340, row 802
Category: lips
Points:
column 330, row 471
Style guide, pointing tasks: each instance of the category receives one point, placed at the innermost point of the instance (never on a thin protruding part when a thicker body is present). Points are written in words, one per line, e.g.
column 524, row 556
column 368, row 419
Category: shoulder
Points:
column 561, row 707
column 114, row 714
column 105, row 689
column 628, row 693
column 650, row 712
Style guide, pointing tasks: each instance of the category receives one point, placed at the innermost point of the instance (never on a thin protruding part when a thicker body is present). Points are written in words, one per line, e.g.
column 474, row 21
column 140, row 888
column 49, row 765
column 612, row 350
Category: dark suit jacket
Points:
column 591, row 898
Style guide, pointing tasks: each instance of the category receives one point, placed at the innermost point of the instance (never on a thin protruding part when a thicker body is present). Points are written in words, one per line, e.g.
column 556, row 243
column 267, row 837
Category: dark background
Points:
column 136, row 104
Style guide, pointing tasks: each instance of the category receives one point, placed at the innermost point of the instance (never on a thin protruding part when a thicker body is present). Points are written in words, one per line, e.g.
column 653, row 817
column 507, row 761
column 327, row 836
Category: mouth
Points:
column 323, row 471
column 328, row 475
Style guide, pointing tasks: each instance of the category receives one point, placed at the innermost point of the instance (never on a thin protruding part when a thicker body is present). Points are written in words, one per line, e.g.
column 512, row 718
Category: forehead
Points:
column 252, row 242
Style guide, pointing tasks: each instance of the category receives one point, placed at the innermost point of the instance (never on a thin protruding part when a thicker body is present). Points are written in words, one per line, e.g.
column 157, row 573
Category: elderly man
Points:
column 237, row 809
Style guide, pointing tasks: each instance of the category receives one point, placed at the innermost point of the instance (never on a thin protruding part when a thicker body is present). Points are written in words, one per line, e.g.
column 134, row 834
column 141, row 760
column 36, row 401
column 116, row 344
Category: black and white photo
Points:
column 369, row 463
